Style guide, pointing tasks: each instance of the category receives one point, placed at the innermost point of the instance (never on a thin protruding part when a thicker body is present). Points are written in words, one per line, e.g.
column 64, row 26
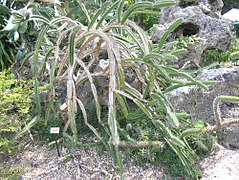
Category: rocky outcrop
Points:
column 201, row 18
column 199, row 103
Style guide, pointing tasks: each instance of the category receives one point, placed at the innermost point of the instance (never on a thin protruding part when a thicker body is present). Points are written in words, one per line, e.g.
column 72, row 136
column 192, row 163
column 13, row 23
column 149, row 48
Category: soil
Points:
column 42, row 162
column 221, row 164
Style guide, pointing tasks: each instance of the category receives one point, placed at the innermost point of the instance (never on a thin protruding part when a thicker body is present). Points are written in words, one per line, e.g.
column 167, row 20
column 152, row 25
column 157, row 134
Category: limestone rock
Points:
column 199, row 103
column 201, row 18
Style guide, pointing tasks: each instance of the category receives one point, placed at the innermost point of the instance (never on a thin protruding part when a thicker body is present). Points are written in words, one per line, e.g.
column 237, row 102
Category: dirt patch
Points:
column 42, row 162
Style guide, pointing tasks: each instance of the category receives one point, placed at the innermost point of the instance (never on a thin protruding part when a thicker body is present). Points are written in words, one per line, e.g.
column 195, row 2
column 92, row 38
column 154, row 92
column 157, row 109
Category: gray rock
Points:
column 102, row 85
column 221, row 165
column 200, row 17
column 84, row 91
column 199, row 103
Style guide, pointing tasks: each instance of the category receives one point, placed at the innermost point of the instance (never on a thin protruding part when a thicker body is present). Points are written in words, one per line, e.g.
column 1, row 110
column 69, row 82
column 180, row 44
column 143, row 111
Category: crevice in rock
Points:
column 186, row 29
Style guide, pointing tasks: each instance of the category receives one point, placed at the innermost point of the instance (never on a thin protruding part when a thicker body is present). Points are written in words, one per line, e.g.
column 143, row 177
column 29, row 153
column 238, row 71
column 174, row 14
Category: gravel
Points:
column 221, row 164
column 42, row 162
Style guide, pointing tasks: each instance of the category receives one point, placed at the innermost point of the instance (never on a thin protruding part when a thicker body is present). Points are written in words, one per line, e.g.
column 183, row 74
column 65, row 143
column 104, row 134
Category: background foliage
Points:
column 15, row 102
column 215, row 55
column 229, row 4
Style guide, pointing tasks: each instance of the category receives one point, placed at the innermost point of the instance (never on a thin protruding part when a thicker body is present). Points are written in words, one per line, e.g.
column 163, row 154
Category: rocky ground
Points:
column 42, row 162
column 221, row 164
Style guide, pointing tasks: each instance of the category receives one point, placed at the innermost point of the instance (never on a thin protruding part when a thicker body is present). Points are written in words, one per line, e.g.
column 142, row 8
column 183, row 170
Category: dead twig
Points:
column 226, row 122
column 102, row 171
column 141, row 144
column 217, row 113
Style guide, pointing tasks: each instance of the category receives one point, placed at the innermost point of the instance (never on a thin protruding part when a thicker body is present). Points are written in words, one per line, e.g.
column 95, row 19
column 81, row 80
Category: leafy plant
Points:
column 15, row 102
column 216, row 55
column 186, row 41
column 140, row 128
column 18, row 30
column 76, row 53
column 14, row 25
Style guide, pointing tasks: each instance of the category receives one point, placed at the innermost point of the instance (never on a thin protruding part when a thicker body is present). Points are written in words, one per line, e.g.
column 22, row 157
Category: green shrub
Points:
column 216, row 55
column 15, row 103
column 186, row 41
column 141, row 129
column 18, row 32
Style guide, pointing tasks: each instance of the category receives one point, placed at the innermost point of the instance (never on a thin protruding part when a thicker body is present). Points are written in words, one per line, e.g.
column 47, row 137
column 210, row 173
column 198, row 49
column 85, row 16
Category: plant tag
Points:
column 55, row 130
column 63, row 106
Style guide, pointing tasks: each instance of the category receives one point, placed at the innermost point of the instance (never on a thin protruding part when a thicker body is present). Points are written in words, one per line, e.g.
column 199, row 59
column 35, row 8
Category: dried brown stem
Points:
column 84, row 78
column 217, row 113
column 141, row 144
column 226, row 122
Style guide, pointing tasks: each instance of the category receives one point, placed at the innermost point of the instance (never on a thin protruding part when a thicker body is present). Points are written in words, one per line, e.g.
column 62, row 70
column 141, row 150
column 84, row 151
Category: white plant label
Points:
column 55, row 130
column 63, row 106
